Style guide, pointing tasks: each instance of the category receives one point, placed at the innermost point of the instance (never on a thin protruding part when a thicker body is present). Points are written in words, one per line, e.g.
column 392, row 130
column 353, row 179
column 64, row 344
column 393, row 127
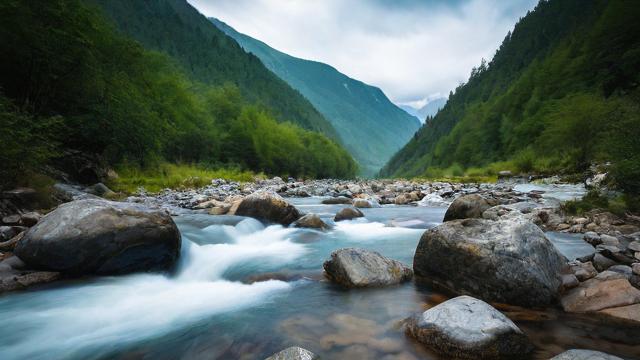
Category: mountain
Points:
column 371, row 126
column 560, row 94
column 209, row 56
column 78, row 95
column 429, row 109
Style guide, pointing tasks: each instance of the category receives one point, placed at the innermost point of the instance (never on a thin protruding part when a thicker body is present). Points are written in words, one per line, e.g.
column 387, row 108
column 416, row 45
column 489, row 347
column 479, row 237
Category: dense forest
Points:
column 560, row 94
column 370, row 125
column 70, row 80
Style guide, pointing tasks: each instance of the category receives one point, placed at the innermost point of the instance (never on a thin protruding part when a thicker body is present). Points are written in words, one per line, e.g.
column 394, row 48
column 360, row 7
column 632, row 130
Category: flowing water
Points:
column 245, row 291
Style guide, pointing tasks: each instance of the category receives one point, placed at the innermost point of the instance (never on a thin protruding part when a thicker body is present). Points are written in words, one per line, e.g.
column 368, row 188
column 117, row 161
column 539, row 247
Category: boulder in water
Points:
column 507, row 261
column 352, row 267
column 465, row 327
column 268, row 206
column 467, row 207
column 102, row 237
column 293, row 353
column 579, row 354
column 311, row 221
column 348, row 213
column 338, row 200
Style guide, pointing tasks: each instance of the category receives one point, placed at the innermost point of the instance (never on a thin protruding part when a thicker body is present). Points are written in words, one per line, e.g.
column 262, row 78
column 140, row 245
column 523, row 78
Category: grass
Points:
column 595, row 200
column 173, row 176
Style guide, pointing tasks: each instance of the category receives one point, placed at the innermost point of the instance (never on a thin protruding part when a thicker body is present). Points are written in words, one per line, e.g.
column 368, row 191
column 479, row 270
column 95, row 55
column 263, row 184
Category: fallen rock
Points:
column 467, row 207
column 312, row 221
column 465, row 327
column 507, row 261
column 364, row 268
column 102, row 237
column 293, row 353
column 607, row 290
column 578, row 354
column 268, row 206
column 348, row 213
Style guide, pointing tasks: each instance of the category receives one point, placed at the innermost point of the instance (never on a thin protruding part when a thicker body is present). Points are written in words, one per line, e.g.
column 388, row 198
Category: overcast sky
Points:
column 413, row 49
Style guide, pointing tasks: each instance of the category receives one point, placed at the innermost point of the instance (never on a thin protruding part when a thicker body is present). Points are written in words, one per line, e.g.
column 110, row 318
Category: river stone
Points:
column 583, row 271
column 362, row 203
column 348, row 213
column 352, row 267
column 15, row 276
column 602, row 263
column 312, row 221
column 293, row 353
column 579, row 354
column 102, row 237
column 507, row 261
column 465, row 327
column 466, row 207
column 338, row 200
column 268, row 206
column 607, row 290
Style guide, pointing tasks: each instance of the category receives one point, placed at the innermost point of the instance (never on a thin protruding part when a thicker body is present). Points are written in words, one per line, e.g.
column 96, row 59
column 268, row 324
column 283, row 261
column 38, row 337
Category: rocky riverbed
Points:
column 248, row 258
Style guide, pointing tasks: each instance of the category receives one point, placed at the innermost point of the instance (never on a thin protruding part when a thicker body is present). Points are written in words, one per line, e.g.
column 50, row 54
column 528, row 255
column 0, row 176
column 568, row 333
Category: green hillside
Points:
column 70, row 81
column 560, row 94
column 207, row 55
column 371, row 126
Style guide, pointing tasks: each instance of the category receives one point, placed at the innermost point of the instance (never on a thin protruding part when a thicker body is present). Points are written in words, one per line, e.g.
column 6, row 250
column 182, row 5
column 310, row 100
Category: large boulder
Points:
column 268, row 206
column 348, row 213
column 507, row 260
column 293, row 353
column 101, row 237
column 467, row 207
column 465, row 327
column 364, row 268
column 579, row 354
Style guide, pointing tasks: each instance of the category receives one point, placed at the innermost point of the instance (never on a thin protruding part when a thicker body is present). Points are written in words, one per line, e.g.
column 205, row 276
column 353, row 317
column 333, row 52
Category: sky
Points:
column 414, row 50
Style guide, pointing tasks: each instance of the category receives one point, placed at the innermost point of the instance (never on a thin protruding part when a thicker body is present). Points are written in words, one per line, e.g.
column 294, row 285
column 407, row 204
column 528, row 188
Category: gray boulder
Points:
column 507, row 261
column 268, row 206
column 348, row 213
column 578, row 354
column 364, row 268
column 102, row 237
column 312, row 221
column 465, row 327
column 467, row 207
column 293, row 353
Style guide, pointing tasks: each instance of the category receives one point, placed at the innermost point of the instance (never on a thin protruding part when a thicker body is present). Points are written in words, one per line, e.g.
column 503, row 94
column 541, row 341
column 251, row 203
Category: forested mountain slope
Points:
column 70, row 81
column 560, row 93
column 371, row 126
column 209, row 56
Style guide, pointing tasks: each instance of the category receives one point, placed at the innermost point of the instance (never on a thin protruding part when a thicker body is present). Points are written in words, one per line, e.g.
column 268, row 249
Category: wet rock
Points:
column 339, row 200
column 578, row 354
column 467, row 207
column 311, row 221
column 569, row 281
column 622, row 269
column 602, row 263
column 15, row 276
column 465, row 327
column 9, row 232
column 508, row 261
column 268, row 206
column 11, row 220
column 609, row 240
column 348, row 213
column 592, row 238
column 607, row 290
column 293, row 353
column 363, row 203
column 102, row 237
column 29, row 219
column 364, row 268
column 583, row 271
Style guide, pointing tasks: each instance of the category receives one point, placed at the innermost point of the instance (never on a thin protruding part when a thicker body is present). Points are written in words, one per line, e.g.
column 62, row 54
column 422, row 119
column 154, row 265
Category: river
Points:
column 245, row 291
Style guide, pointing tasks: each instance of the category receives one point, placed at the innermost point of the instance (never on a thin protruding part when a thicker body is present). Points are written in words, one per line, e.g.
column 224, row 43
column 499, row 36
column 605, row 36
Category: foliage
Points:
column 173, row 176
column 560, row 94
column 64, row 66
column 618, row 205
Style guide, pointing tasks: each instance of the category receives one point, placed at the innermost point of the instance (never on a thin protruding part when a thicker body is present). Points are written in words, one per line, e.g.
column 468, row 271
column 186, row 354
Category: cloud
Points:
column 412, row 49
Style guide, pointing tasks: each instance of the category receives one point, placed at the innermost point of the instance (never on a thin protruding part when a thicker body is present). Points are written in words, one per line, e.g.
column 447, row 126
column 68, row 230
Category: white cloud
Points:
column 412, row 49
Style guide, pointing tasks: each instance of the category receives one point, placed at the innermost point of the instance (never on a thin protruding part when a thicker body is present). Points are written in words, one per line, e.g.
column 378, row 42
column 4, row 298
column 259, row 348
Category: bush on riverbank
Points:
column 173, row 176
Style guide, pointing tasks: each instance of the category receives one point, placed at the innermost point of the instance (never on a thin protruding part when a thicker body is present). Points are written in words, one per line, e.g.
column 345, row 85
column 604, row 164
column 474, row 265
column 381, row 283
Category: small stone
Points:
column 635, row 268
column 634, row 246
column 592, row 238
column 348, row 213
column 30, row 219
column 562, row 227
column 602, row 263
column 11, row 220
column 569, row 281
column 584, row 270
column 293, row 353
column 339, row 200
column 311, row 221
column 622, row 269
column 609, row 240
